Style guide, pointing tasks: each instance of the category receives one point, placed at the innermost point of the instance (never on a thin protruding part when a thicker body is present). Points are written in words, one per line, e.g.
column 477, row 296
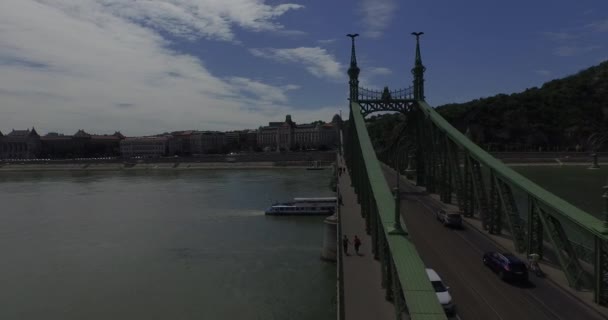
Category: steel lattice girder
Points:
column 495, row 208
column 510, row 209
column 409, row 270
column 454, row 163
column 569, row 261
column 481, row 198
column 535, row 228
column 469, row 193
column 601, row 271
column 371, row 106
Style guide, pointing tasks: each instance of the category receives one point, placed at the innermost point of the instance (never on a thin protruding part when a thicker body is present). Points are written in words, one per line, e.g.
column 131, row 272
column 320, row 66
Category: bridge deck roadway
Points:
column 363, row 293
column 477, row 292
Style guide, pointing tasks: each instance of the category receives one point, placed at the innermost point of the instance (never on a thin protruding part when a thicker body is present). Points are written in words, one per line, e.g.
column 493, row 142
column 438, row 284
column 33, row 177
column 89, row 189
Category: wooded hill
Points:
column 561, row 114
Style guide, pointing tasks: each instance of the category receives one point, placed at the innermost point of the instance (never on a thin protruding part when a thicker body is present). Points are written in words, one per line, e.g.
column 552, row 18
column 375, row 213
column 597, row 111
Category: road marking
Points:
column 418, row 197
column 462, row 278
column 546, row 308
column 555, row 315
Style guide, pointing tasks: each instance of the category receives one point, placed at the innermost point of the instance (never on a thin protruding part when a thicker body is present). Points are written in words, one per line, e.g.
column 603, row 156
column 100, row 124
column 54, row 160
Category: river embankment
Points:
column 239, row 161
column 549, row 158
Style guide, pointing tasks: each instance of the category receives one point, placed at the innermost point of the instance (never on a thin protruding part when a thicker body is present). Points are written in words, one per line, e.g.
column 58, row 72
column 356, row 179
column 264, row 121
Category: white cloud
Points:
column 377, row 15
column 569, row 51
column 599, row 26
column 316, row 60
column 66, row 65
column 326, row 41
column 262, row 91
column 379, row 71
column 560, row 36
column 542, row 72
column 206, row 18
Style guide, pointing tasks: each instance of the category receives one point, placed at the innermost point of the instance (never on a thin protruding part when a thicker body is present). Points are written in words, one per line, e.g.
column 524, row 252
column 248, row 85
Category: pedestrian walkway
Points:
column 363, row 292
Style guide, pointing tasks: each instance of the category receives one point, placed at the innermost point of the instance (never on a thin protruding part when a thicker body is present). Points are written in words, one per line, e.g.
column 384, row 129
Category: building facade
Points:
column 203, row 142
column 182, row 142
column 147, row 147
column 20, row 144
column 288, row 135
column 80, row 145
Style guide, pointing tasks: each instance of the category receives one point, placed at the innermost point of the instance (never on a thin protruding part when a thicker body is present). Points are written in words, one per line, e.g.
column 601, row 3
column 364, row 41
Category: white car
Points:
column 443, row 295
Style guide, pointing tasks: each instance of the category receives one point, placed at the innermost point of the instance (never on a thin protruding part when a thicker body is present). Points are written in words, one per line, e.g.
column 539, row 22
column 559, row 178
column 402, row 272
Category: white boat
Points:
column 304, row 206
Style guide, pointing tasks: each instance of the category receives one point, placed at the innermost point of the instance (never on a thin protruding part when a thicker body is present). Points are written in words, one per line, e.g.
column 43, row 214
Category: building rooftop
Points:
column 81, row 134
column 19, row 133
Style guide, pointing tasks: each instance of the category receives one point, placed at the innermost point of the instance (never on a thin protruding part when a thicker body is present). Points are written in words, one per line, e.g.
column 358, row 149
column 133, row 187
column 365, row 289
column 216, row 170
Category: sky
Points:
column 149, row 66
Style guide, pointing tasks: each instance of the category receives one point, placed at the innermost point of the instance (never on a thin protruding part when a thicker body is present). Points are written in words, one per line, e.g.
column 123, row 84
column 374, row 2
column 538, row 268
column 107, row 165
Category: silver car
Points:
column 449, row 219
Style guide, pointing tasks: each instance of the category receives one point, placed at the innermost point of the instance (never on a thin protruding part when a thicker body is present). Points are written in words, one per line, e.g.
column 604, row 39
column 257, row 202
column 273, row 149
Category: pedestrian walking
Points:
column 357, row 244
column 345, row 243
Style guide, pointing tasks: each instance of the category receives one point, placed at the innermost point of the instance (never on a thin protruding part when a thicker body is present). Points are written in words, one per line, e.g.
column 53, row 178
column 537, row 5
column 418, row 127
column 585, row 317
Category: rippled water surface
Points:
column 576, row 184
column 161, row 245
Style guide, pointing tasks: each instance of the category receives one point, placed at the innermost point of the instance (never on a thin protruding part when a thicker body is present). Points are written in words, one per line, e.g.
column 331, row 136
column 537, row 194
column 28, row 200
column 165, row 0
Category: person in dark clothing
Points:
column 357, row 244
column 345, row 243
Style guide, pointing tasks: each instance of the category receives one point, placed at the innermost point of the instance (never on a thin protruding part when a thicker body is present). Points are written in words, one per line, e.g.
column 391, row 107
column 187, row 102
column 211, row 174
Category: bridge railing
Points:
column 403, row 272
column 447, row 161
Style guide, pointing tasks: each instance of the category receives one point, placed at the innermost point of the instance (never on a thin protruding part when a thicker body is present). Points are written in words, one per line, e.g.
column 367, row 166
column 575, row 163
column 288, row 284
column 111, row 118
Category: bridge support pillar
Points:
column 329, row 251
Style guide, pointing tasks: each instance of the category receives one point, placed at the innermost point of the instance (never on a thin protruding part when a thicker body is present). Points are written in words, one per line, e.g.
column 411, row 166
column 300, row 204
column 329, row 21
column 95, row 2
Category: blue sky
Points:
column 144, row 67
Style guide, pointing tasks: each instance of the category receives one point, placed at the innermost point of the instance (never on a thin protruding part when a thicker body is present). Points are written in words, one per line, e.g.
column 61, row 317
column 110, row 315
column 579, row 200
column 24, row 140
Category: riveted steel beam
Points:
column 535, row 228
column 601, row 271
column 566, row 255
column 510, row 209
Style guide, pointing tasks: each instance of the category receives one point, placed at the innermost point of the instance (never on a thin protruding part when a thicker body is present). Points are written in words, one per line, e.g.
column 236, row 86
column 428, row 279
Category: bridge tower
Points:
column 418, row 70
column 449, row 163
column 353, row 70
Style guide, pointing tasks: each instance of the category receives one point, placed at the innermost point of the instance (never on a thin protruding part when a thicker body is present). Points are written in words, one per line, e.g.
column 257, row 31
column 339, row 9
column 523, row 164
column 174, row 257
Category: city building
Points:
column 241, row 140
column 182, row 142
column 80, row 145
column 288, row 135
column 251, row 140
column 59, row 146
column 20, row 144
column 202, row 142
column 147, row 147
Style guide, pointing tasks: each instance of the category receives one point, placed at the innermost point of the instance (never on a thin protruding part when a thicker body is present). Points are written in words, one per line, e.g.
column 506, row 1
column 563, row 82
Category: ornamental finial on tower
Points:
column 418, row 70
column 353, row 71
column 353, row 56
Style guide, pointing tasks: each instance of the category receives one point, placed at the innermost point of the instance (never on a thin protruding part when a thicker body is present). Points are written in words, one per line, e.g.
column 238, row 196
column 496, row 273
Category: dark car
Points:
column 449, row 219
column 506, row 265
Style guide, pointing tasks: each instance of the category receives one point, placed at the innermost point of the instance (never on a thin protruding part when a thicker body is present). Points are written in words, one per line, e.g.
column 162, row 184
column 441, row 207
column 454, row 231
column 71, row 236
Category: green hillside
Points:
column 559, row 115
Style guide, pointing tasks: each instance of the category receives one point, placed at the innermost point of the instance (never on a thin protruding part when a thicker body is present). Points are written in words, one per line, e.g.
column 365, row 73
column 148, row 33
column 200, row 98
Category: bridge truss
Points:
column 449, row 164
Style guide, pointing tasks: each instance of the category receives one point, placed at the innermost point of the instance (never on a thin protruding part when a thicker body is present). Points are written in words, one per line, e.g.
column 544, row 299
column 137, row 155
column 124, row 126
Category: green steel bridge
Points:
column 446, row 163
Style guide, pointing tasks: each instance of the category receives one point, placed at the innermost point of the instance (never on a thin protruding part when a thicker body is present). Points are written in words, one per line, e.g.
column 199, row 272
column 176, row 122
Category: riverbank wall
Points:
column 156, row 166
column 557, row 158
column 216, row 161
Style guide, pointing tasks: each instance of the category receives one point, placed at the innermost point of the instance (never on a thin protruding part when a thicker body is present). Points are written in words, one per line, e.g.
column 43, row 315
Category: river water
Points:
column 576, row 184
column 182, row 244
column 161, row 245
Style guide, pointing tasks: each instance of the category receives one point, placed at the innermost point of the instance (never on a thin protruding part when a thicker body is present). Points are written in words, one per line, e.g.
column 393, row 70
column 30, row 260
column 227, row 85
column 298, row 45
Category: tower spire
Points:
column 418, row 70
column 353, row 71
